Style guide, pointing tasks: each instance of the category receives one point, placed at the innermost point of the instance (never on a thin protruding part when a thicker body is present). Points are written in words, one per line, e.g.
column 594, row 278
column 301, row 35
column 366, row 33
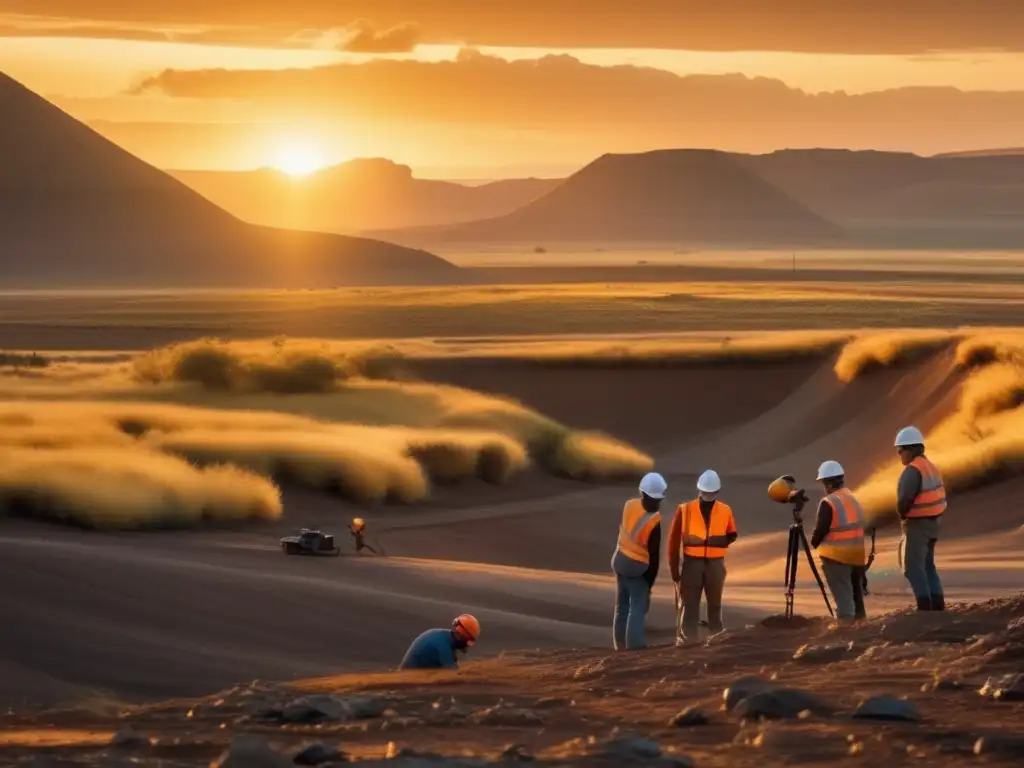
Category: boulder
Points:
column 129, row 738
column 742, row 688
column 887, row 708
column 780, row 704
column 250, row 751
column 321, row 708
column 1000, row 744
column 318, row 754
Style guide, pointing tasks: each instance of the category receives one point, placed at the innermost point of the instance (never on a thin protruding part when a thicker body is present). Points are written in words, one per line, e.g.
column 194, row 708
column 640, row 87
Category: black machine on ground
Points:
column 784, row 491
column 310, row 541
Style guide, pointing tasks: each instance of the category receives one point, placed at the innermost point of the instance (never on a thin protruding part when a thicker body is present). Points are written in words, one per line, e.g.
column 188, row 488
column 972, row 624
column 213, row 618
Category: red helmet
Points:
column 467, row 628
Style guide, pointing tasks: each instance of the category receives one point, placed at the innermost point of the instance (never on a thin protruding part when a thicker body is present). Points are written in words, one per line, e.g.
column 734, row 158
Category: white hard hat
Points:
column 709, row 482
column 909, row 436
column 829, row 469
column 653, row 485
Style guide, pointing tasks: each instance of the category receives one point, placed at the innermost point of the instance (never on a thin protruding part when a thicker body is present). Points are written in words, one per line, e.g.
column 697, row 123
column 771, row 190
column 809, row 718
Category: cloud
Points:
column 559, row 95
column 836, row 26
column 362, row 37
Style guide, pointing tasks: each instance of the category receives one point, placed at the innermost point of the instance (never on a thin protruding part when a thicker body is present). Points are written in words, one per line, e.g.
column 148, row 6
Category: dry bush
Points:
column 279, row 366
column 665, row 353
column 994, row 388
column 594, row 456
column 23, row 360
column 995, row 346
column 365, row 471
column 878, row 350
column 113, row 488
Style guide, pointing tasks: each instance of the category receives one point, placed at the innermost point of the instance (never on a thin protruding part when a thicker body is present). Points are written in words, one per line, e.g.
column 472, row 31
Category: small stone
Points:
column 128, row 737
column 320, row 708
column 318, row 754
column 632, row 749
column 1000, row 744
column 780, row 703
column 506, row 716
column 689, row 717
column 887, row 708
column 516, row 752
column 823, row 654
column 742, row 688
column 250, row 751
column 1006, row 688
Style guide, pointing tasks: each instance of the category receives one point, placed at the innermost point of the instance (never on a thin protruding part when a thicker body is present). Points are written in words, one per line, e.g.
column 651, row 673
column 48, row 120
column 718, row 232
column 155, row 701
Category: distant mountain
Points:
column 684, row 196
column 360, row 195
column 1004, row 152
column 77, row 210
column 904, row 200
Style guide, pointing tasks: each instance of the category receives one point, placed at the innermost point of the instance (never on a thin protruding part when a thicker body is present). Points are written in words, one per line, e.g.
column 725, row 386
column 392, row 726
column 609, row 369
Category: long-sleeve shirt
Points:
column 431, row 650
column 654, row 553
column 908, row 489
column 823, row 523
column 675, row 534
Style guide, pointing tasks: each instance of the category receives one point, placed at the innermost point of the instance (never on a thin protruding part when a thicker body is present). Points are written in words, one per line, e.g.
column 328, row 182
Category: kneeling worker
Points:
column 635, row 562
column 839, row 539
column 436, row 648
column 701, row 531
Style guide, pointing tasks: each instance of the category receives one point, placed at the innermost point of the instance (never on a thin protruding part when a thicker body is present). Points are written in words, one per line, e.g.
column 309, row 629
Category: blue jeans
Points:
column 919, row 539
column 631, row 602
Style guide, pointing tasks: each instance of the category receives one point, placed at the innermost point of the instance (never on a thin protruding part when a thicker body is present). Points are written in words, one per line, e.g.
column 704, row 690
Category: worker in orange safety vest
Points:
column 635, row 562
column 920, row 501
column 699, row 535
column 839, row 539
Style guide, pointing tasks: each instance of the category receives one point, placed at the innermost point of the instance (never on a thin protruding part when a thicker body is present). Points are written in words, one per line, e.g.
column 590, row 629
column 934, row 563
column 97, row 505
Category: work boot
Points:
column 938, row 602
column 924, row 603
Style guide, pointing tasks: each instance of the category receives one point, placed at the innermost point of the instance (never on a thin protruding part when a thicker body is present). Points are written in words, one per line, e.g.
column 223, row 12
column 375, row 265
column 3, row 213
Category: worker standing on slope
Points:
column 839, row 538
column 921, row 500
column 635, row 562
column 701, row 531
column 436, row 648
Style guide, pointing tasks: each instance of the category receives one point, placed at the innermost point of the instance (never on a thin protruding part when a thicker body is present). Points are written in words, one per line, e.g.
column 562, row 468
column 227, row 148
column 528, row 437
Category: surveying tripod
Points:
column 798, row 539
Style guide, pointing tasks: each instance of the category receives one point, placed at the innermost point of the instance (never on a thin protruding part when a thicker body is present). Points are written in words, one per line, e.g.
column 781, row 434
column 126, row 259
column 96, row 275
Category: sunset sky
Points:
column 477, row 89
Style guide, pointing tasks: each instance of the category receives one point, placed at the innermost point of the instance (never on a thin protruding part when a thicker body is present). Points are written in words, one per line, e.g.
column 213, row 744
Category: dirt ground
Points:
column 101, row 630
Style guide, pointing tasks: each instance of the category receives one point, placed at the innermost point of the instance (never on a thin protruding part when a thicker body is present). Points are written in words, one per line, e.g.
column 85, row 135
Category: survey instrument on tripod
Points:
column 784, row 490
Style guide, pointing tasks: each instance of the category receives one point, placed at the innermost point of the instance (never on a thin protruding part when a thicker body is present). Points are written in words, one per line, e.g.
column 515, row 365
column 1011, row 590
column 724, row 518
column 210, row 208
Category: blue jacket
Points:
column 434, row 649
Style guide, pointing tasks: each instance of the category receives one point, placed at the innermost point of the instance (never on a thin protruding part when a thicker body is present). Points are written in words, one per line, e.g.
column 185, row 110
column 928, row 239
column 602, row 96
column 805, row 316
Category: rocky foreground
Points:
column 905, row 688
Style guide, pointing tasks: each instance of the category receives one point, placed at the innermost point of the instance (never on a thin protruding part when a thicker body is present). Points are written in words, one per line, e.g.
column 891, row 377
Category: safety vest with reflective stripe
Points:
column 699, row 540
column 844, row 542
column 931, row 500
column 635, row 531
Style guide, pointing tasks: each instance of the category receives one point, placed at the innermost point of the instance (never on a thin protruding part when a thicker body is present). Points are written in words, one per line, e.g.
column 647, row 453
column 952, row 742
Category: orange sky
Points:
column 463, row 88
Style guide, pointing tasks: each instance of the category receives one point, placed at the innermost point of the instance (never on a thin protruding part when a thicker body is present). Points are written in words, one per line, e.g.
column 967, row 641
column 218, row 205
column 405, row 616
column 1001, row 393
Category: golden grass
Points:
column 879, row 350
column 115, row 488
column 281, row 365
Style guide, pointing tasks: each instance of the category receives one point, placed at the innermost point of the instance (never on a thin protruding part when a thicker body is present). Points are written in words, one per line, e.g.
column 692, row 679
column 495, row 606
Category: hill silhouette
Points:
column 363, row 194
column 701, row 197
column 76, row 210
column 905, row 200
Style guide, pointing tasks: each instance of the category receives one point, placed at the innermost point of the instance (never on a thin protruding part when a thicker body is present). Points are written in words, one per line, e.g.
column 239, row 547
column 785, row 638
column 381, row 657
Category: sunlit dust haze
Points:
column 525, row 89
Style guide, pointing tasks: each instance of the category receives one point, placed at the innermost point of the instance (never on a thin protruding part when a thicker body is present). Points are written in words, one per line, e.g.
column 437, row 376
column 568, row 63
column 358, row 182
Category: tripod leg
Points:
column 814, row 570
column 792, row 552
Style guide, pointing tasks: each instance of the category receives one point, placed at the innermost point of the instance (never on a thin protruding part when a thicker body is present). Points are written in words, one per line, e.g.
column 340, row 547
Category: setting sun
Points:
column 298, row 159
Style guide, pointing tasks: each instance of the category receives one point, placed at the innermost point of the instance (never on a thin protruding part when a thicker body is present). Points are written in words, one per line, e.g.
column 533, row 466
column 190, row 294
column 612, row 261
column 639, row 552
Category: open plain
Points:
column 572, row 388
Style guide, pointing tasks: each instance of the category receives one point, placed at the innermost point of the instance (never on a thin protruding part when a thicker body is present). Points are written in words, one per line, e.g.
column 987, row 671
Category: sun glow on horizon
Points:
column 298, row 158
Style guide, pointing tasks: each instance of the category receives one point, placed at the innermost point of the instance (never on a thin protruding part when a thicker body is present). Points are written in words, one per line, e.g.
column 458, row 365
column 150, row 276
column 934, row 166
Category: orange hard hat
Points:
column 467, row 628
column 358, row 524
